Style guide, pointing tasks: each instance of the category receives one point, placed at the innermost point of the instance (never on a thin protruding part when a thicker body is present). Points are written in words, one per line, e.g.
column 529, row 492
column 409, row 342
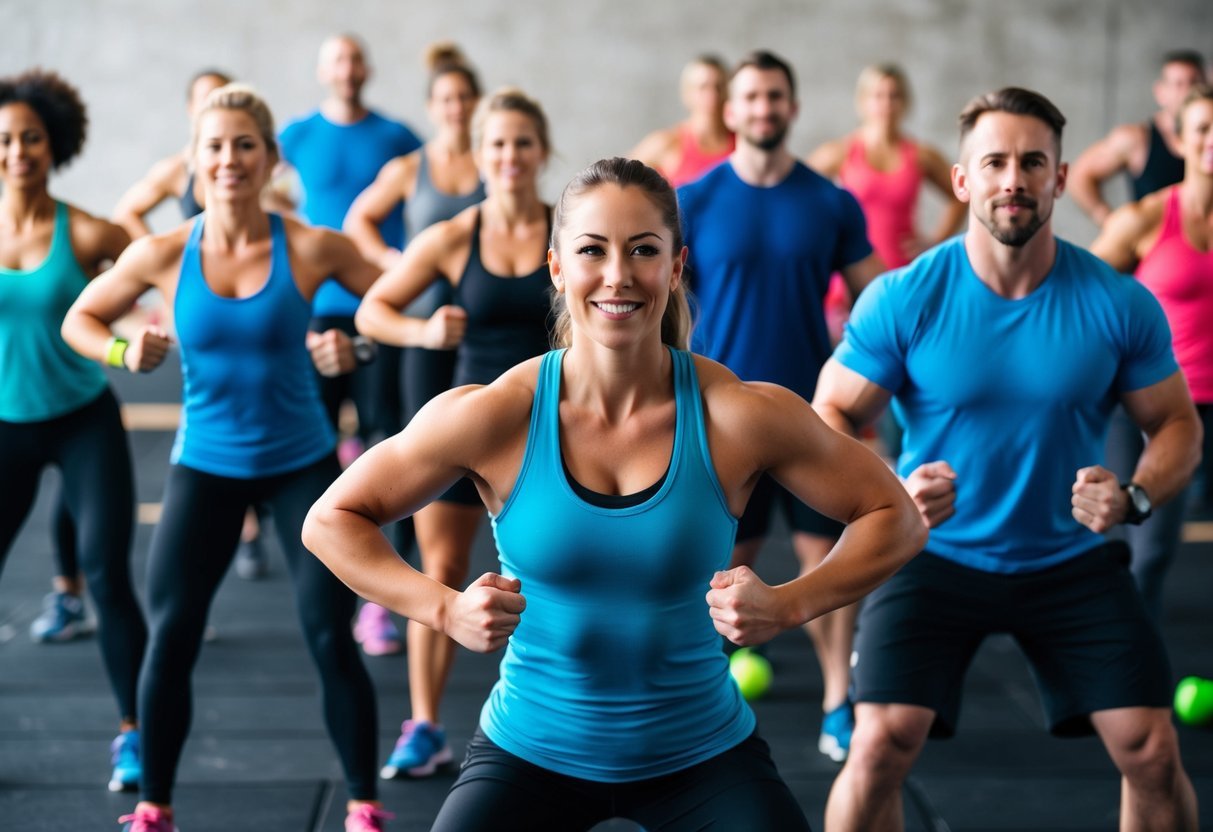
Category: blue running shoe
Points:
column 419, row 751
column 63, row 618
column 836, row 729
column 124, row 754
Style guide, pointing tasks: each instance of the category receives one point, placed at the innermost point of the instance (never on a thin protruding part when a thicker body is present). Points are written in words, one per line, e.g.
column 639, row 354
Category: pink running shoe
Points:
column 367, row 818
column 376, row 632
column 153, row 819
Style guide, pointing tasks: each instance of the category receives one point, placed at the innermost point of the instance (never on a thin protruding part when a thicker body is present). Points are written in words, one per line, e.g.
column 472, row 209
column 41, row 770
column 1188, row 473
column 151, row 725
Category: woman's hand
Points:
column 483, row 617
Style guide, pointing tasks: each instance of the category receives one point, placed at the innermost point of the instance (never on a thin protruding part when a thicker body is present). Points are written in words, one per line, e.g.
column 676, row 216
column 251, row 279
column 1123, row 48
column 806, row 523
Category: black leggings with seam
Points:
column 190, row 552
column 89, row 447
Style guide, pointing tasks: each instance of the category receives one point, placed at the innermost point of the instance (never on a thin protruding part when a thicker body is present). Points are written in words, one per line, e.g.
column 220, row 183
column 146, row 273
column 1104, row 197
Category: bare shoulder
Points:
column 656, row 146
column 313, row 241
column 1134, row 220
column 482, row 418
column 451, row 235
column 745, row 406
column 827, row 158
column 170, row 173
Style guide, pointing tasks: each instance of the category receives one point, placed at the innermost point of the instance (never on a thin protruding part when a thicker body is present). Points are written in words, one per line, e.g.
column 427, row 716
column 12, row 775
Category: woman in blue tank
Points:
column 492, row 257
column 239, row 282
column 435, row 182
column 56, row 408
column 614, row 470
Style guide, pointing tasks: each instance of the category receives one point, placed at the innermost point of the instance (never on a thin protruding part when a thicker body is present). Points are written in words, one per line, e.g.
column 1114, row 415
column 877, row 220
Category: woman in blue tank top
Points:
column 435, row 182
column 491, row 257
column 614, row 471
column 239, row 282
column 56, row 407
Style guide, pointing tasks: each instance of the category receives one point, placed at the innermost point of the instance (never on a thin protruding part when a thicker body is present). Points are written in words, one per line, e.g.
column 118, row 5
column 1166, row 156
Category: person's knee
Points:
column 1148, row 754
column 886, row 742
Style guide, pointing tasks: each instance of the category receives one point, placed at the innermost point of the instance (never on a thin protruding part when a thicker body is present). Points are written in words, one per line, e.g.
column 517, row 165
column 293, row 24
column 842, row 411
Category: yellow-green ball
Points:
column 1194, row 701
column 751, row 672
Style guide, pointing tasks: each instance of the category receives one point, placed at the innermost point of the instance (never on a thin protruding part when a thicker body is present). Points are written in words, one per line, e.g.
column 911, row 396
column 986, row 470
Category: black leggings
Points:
column 373, row 388
column 191, row 550
column 89, row 448
column 738, row 789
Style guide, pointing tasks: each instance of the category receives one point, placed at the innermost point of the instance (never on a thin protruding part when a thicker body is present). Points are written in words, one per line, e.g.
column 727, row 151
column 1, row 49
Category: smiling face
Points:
column 511, row 152
column 703, row 90
column 616, row 263
column 760, row 107
column 1010, row 175
column 25, row 147
column 231, row 155
column 452, row 102
column 343, row 68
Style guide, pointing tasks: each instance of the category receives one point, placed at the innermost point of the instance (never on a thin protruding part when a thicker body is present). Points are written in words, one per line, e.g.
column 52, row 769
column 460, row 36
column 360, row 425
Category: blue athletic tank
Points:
column 507, row 317
column 615, row 672
column 251, row 404
column 425, row 207
column 41, row 377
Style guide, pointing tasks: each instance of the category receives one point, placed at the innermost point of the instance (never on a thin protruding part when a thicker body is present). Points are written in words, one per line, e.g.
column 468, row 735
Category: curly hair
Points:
column 57, row 103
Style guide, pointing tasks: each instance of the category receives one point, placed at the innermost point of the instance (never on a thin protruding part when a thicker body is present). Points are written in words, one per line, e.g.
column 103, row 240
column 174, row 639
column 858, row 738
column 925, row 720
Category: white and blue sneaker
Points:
column 63, row 618
column 836, row 729
column 419, row 751
column 124, row 755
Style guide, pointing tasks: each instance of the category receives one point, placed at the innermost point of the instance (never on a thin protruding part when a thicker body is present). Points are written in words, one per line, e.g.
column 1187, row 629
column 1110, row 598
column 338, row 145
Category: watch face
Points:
column 1140, row 501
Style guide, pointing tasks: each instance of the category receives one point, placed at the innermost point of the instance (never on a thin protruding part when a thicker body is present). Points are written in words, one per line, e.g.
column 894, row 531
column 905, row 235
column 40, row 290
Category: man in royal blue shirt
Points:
column 764, row 235
column 1003, row 352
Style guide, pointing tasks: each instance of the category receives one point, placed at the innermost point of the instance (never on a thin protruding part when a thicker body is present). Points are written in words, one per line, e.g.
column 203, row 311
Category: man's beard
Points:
column 1015, row 236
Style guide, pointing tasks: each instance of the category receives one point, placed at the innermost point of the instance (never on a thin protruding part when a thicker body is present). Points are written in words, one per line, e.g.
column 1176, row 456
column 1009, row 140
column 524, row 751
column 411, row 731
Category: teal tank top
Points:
column 615, row 672
column 41, row 377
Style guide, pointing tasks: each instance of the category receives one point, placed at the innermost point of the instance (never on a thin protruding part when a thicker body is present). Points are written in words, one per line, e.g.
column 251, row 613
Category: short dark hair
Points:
column 766, row 60
column 208, row 72
column 1016, row 101
column 57, row 103
column 1184, row 56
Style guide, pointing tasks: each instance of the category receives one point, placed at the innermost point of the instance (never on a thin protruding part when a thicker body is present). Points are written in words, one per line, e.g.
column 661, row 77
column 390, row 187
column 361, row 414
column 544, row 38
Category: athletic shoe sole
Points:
column 828, row 745
column 123, row 786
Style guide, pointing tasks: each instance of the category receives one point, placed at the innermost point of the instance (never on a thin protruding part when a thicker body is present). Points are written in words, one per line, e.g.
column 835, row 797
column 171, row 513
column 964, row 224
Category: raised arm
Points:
column 1098, row 163
column 837, row 476
column 395, row 182
column 160, row 183
column 452, row 436
column 86, row 327
column 938, row 172
column 381, row 313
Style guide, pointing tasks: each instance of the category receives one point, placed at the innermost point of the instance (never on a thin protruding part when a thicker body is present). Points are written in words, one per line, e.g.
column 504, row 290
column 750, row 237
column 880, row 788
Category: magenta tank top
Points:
column 889, row 198
column 694, row 162
column 1181, row 277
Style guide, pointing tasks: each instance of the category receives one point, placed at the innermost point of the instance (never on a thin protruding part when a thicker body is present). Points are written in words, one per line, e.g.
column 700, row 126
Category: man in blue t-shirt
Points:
column 1004, row 352
column 765, row 233
column 337, row 151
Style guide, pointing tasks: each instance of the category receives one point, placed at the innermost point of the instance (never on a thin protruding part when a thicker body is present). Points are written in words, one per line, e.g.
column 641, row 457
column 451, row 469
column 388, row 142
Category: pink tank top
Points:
column 888, row 198
column 692, row 161
column 1181, row 277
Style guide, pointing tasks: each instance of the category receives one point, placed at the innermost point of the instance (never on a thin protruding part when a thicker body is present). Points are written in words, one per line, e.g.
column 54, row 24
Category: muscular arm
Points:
column 837, row 476
column 451, row 437
column 395, row 182
column 1120, row 239
column 380, row 315
column 1165, row 413
column 1100, row 162
column 160, row 183
column 845, row 400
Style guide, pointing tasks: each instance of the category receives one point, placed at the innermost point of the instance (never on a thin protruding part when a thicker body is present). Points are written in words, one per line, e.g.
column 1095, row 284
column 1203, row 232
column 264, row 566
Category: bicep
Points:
column 417, row 268
column 843, row 392
column 109, row 296
column 1153, row 406
column 1102, row 159
column 1115, row 244
column 349, row 267
column 379, row 198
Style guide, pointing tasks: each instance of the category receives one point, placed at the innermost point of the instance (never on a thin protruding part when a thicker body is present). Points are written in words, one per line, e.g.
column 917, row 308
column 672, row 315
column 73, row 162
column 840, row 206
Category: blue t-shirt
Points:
column 336, row 162
column 760, row 264
column 1014, row 394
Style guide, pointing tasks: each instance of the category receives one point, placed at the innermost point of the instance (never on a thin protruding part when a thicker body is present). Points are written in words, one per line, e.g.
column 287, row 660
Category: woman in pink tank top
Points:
column 885, row 170
column 1166, row 240
column 691, row 148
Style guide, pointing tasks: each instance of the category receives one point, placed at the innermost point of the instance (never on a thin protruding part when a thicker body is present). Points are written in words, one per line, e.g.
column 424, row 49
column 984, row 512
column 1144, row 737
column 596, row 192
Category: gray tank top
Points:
column 427, row 206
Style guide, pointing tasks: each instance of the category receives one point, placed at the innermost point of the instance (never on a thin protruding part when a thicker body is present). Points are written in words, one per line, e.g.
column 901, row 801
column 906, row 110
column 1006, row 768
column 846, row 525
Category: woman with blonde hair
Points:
column 614, row 470
column 239, row 283
column 492, row 257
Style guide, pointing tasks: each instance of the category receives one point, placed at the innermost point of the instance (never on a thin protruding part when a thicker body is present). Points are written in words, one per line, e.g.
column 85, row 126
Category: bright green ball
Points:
column 1194, row 701
column 752, row 673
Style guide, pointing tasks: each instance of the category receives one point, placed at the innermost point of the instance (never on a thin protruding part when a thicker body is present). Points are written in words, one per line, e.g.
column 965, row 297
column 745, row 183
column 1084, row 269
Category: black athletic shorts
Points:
column 738, row 789
column 1081, row 624
column 756, row 518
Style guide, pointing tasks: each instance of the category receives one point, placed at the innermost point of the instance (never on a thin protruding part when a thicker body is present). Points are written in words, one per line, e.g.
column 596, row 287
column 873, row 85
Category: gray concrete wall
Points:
column 606, row 71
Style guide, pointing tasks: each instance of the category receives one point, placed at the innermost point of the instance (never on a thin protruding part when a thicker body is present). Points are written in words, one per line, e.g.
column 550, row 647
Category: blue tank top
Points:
column 251, row 404
column 507, row 317
column 615, row 672
column 41, row 377
column 425, row 207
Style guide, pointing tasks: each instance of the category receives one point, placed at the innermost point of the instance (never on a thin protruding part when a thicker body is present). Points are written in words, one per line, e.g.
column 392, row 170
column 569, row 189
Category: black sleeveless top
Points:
column 1162, row 167
column 508, row 317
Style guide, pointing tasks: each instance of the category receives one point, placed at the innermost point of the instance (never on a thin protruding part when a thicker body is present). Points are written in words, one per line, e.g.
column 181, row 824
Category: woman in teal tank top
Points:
column 614, row 471
column 56, row 408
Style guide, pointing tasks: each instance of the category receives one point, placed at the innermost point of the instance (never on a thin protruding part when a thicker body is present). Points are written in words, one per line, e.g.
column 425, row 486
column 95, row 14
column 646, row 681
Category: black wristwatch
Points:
column 1140, row 507
column 365, row 349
